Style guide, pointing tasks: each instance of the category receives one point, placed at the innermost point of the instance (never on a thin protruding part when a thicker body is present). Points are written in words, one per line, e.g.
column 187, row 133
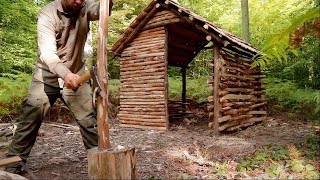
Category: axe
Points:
column 92, row 73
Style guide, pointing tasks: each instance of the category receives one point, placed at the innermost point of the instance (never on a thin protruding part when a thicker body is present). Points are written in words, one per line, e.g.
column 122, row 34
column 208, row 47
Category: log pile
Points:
column 178, row 110
column 238, row 98
column 143, row 97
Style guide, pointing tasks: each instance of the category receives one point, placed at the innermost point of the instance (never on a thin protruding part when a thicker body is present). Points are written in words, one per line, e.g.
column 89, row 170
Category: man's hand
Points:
column 70, row 81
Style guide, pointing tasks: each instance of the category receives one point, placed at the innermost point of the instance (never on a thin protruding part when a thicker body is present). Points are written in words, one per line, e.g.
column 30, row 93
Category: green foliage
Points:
column 17, row 35
column 197, row 89
column 313, row 145
column 285, row 95
column 300, row 167
column 277, row 46
column 13, row 89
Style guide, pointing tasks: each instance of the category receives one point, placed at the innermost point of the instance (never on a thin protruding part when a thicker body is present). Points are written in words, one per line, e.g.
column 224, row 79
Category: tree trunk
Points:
column 245, row 20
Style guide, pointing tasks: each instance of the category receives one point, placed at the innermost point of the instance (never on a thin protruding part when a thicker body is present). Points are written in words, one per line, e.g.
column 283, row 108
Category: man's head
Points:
column 72, row 6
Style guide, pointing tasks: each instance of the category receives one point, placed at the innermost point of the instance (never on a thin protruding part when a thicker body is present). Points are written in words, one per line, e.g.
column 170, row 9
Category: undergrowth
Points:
column 13, row 89
column 274, row 162
column 303, row 104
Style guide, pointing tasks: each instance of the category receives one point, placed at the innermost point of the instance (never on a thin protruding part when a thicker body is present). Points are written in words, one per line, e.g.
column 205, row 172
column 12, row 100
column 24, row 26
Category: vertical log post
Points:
column 216, row 89
column 105, row 162
column 184, row 89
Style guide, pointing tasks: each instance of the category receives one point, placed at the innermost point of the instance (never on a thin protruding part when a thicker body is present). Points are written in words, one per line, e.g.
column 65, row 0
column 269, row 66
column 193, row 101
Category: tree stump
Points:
column 10, row 176
column 113, row 163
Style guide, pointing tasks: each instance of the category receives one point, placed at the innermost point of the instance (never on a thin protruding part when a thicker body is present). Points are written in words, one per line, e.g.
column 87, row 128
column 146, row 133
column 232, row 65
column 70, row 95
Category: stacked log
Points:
column 239, row 99
column 143, row 81
column 178, row 110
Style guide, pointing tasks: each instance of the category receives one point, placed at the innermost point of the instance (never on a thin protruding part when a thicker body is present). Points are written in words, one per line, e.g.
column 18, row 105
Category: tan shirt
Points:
column 61, row 40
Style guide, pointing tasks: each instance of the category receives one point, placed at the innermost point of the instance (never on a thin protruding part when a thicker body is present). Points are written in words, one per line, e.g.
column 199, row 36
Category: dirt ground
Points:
column 187, row 148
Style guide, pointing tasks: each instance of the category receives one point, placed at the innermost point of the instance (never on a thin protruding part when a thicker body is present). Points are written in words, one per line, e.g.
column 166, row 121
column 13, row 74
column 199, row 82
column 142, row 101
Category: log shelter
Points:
column 167, row 34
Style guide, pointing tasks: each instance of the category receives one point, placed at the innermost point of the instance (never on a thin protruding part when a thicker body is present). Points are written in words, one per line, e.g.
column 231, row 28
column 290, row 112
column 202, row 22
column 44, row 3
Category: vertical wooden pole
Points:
column 104, row 162
column 184, row 88
column 102, row 69
column 216, row 88
column 166, row 84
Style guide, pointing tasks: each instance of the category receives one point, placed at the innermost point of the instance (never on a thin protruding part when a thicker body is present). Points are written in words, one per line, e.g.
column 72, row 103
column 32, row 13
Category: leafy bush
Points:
column 17, row 35
column 286, row 96
column 13, row 89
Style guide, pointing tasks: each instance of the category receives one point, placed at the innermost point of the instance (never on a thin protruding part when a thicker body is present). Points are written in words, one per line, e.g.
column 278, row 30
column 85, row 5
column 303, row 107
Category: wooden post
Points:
column 105, row 162
column 217, row 70
column 184, row 88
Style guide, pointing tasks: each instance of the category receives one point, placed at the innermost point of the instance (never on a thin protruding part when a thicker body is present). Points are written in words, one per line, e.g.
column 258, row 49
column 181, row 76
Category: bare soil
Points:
column 187, row 148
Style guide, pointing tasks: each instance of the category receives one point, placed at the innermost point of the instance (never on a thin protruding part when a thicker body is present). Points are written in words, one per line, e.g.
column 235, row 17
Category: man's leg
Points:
column 34, row 108
column 80, row 104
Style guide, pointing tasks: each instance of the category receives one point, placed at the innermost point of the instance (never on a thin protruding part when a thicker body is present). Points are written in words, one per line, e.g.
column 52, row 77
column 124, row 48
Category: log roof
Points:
column 187, row 36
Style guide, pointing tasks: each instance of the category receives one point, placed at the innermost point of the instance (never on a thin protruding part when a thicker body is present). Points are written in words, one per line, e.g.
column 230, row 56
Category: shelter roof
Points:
column 209, row 30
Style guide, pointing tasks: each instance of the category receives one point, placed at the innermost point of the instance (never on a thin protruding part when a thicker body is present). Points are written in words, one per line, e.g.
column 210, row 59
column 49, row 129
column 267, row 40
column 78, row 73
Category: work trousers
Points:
column 40, row 98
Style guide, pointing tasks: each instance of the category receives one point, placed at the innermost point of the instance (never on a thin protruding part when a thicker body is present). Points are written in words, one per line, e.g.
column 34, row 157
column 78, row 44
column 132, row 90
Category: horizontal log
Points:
column 142, row 118
column 241, row 90
column 128, row 86
column 147, row 55
column 142, row 103
column 143, row 72
column 155, row 107
column 143, row 127
column 149, row 49
column 142, row 89
column 258, row 105
column 141, row 46
column 133, row 96
column 224, row 118
column 146, row 81
column 132, row 61
column 237, row 97
column 142, row 111
column 236, row 111
column 141, row 78
column 137, row 63
column 142, row 100
column 140, row 68
column 236, row 104
column 148, row 41
column 150, row 37
column 156, row 124
column 230, row 84
column 258, row 112
column 247, row 123
column 151, row 30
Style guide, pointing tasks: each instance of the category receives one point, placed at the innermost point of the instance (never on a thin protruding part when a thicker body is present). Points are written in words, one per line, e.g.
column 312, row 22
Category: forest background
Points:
column 287, row 32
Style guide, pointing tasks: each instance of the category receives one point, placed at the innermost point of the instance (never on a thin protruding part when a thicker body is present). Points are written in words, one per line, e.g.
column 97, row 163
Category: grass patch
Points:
column 13, row 89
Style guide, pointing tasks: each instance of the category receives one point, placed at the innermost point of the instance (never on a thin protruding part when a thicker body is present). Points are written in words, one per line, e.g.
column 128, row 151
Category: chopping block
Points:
column 112, row 163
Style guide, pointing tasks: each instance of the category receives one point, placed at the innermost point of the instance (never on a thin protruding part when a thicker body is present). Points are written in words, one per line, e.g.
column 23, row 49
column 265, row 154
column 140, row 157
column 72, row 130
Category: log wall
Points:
column 238, row 98
column 143, row 87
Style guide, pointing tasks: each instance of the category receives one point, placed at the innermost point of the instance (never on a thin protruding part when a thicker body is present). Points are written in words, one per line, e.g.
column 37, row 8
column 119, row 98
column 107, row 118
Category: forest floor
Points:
column 188, row 150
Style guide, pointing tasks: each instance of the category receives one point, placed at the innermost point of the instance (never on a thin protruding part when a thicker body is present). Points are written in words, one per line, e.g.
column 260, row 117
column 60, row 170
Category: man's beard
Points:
column 70, row 9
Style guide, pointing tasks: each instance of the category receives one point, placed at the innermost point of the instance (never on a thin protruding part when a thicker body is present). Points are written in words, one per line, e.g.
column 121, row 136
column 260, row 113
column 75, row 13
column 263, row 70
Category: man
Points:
column 62, row 30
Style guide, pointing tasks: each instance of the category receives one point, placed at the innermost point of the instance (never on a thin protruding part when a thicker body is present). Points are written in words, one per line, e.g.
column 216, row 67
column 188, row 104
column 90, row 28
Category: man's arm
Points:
column 48, row 47
column 48, row 51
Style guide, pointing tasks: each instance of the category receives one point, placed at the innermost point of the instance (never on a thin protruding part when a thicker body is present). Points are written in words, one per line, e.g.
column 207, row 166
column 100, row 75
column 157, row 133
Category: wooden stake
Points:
column 104, row 162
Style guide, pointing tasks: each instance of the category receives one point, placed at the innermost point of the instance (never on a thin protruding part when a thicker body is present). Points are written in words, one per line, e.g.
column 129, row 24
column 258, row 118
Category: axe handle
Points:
column 85, row 77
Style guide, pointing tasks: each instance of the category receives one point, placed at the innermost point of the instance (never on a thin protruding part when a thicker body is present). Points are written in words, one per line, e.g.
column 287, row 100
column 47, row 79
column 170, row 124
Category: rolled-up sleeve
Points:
column 48, row 47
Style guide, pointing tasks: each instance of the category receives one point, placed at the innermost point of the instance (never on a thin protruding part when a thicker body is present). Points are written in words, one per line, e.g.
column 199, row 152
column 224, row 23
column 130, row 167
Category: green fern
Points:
column 277, row 46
